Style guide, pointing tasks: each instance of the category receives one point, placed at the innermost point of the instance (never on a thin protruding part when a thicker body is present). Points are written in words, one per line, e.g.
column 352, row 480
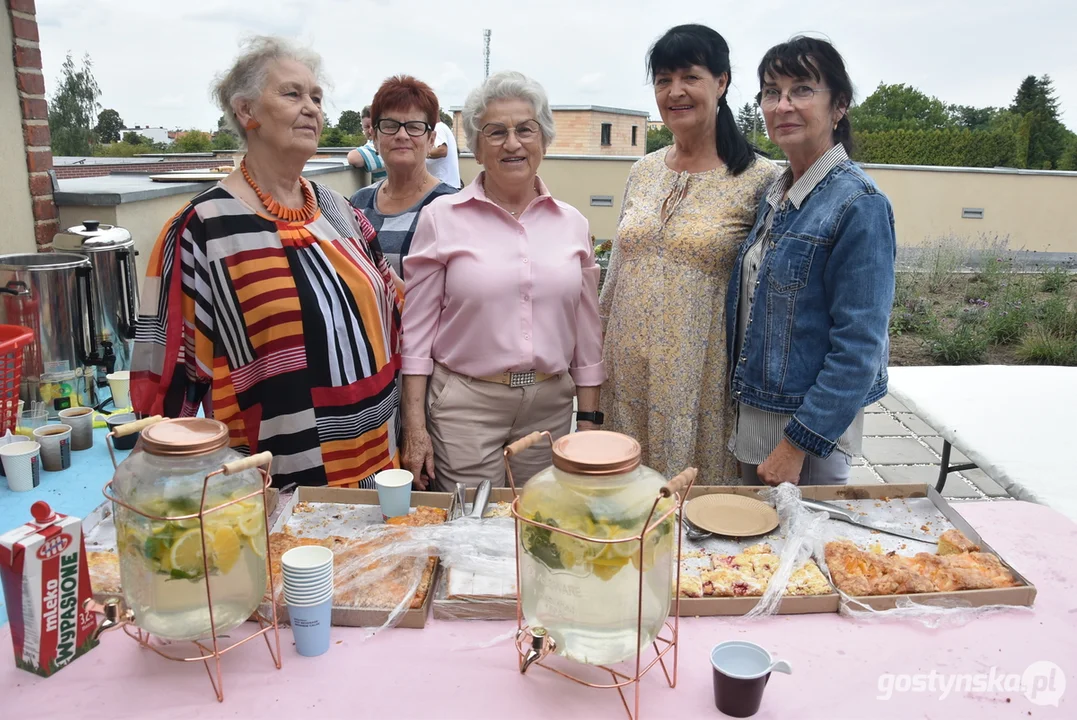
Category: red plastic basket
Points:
column 13, row 338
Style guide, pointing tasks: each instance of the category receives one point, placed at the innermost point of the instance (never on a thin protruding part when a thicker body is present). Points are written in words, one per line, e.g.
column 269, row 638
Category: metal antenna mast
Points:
column 486, row 54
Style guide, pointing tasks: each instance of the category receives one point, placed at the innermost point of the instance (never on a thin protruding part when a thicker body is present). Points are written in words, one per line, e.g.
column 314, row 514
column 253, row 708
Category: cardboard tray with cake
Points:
column 953, row 566
column 375, row 582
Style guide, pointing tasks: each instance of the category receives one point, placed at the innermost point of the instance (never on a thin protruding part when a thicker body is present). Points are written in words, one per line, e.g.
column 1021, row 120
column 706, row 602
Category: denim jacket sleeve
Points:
column 865, row 246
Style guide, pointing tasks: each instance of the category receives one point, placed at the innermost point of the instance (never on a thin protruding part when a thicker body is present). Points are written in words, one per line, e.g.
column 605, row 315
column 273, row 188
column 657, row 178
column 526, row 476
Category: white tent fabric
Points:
column 1017, row 423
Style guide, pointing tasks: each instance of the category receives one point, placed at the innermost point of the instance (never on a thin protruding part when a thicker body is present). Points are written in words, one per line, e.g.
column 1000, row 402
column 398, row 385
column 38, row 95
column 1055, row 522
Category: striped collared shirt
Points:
column 757, row 431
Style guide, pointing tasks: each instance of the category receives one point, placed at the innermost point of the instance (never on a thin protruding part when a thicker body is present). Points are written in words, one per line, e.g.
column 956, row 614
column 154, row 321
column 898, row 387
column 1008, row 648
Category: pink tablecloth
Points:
column 841, row 668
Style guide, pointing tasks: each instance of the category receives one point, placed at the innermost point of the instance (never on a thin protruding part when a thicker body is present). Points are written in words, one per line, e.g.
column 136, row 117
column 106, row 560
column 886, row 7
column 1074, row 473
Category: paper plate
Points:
column 731, row 515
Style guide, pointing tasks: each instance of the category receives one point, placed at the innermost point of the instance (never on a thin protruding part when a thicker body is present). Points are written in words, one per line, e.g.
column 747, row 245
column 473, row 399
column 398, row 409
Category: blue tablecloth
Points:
column 75, row 491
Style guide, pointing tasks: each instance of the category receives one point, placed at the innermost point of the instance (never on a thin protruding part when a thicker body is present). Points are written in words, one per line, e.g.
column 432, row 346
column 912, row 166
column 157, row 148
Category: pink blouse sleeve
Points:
column 587, row 368
column 424, row 288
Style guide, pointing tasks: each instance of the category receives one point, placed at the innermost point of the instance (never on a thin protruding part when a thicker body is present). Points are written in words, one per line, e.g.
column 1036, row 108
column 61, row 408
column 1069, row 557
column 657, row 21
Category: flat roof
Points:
column 133, row 187
column 584, row 108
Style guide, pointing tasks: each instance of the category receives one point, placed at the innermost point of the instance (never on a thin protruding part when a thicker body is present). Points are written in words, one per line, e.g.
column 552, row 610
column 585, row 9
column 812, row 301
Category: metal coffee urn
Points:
column 52, row 293
column 111, row 251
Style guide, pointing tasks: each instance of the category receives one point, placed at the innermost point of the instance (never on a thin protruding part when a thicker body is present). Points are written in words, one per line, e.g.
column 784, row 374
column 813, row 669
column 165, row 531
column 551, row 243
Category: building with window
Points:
column 590, row 130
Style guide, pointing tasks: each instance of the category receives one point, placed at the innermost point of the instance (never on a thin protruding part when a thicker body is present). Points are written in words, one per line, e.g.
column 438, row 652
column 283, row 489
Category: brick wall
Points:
column 150, row 166
column 35, row 118
column 579, row 132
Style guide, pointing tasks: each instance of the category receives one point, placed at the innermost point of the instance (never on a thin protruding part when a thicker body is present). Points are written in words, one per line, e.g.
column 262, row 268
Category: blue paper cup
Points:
column 310, row 626
column 394, row 492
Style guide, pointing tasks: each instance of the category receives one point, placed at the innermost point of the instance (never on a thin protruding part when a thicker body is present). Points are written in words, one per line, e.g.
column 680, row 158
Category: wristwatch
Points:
column 595, row 417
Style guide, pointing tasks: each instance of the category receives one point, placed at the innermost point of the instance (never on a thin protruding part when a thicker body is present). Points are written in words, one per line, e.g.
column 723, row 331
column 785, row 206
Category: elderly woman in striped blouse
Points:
column 265, row 300
column 501, row 326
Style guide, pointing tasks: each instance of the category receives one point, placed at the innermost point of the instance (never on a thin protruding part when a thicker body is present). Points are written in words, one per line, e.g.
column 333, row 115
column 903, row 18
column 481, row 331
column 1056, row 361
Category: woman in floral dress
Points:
column 686, row 210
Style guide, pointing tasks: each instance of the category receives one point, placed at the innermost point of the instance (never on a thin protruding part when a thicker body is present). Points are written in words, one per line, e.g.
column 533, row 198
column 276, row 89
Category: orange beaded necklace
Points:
column 302, row 214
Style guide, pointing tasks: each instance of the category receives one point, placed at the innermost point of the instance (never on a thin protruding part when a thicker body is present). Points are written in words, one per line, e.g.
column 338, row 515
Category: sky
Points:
column 155, row 60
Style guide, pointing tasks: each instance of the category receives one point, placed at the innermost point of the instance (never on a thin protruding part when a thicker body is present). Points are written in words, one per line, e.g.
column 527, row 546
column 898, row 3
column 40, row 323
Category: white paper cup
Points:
column 305, row 586
column 55, row 446
column 120, row 384
column 306, row 558
column 394, row 492
column 22, row 465
column 296, row 581
column 81, row 421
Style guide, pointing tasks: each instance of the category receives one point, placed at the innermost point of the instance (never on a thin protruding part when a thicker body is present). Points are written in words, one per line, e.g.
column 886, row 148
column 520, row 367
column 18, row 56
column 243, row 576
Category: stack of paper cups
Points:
column 308, row 591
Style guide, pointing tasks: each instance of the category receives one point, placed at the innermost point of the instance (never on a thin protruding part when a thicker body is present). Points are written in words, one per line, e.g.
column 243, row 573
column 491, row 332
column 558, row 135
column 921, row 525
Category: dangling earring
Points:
column 252, row 124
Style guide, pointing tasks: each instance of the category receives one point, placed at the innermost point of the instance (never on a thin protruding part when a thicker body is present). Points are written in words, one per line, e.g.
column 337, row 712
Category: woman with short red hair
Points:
column 403, row 115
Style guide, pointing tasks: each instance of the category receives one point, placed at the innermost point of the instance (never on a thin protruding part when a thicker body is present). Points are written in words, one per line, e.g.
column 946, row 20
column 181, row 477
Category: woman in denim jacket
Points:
column 810, row 294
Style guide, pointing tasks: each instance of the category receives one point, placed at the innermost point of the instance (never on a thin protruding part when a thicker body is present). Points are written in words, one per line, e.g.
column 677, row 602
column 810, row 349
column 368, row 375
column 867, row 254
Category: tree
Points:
column 132, row 138
column 193, row 141
column 109, row 124
column 445, row 117
column 350, row 122
column 899, row 107
column 1068, row 161
column 331, row 137
column 974, row 118
column 225, row 140
column 658, row 138
column 1035, row 103
column 73, row 108
column 750, row 119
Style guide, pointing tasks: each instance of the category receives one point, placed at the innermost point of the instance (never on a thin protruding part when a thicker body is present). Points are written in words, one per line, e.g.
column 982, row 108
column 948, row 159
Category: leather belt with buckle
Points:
column 518, row 379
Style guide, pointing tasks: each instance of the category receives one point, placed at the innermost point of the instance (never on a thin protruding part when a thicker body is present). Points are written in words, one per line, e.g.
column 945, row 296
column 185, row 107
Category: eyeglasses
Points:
column 415, row 128
column 799, row 96
column 526, row 132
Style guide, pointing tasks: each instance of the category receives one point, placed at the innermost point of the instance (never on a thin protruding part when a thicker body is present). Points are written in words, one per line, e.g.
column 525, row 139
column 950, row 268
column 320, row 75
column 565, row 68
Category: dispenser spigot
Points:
column 115, row 612
column 541, row 644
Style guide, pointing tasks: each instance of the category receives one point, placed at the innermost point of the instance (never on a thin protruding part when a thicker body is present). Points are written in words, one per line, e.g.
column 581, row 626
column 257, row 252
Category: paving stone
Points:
column 898, row 474
column 917, row 425
column 957, row 488
column 859, row 460
column 863, row 476
column 892, row 404
column 956, row 456
column 982, row 480
column 881, row 424
column 896, row 451
column 875, row 408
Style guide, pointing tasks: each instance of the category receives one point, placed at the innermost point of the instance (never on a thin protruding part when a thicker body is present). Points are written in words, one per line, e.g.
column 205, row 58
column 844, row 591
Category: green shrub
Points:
column 1056, row 317
column 1054, row 280
column 1041, row 347
column 966, row 344
column 914, row 315
column 1005, row 321
column 991, row 275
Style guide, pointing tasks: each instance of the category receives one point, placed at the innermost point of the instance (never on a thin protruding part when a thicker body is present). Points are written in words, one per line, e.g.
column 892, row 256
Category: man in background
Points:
column 443, row 162
column 367, row 156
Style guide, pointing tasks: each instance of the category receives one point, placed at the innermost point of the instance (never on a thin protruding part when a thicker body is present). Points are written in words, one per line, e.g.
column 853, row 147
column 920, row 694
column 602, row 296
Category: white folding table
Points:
column 1016, row 423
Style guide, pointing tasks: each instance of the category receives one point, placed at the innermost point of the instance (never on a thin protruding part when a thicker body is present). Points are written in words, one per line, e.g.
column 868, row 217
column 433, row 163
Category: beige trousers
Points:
column 471, row 421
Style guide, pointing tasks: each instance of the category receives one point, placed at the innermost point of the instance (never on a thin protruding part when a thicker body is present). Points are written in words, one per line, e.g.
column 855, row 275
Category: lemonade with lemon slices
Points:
column 585, row 594
column 164, row 564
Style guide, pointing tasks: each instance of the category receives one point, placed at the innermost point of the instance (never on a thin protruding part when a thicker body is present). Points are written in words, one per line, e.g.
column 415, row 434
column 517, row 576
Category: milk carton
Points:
column 46, row 581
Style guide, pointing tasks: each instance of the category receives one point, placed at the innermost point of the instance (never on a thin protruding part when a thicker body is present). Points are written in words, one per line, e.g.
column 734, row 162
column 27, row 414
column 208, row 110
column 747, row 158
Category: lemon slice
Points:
column 186, row 553
column 258, row 544
column 225, row 549
column 253, row 523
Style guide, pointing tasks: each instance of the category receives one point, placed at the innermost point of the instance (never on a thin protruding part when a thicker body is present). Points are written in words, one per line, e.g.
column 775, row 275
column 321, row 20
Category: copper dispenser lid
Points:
column 185, row 437
column 596, row 452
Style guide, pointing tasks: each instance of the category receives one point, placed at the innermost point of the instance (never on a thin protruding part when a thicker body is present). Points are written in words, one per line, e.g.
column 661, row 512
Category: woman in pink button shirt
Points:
column 500, row 321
